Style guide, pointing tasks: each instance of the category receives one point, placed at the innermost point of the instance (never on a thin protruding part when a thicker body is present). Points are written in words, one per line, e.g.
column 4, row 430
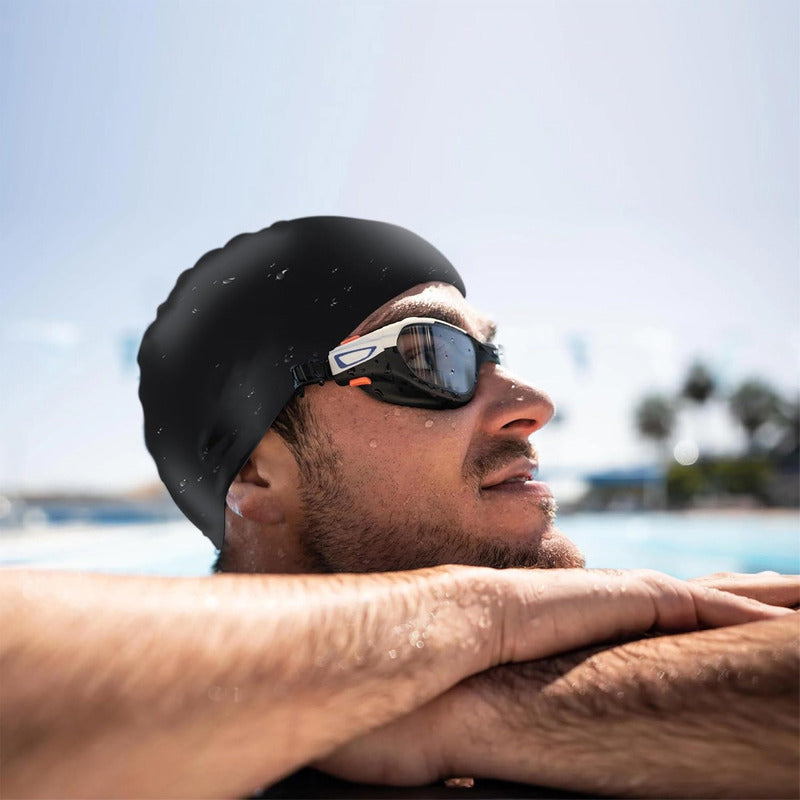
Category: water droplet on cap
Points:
column 226, row 281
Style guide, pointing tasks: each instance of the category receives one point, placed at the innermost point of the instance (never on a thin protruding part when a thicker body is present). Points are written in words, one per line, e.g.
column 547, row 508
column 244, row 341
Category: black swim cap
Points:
column 215, row 364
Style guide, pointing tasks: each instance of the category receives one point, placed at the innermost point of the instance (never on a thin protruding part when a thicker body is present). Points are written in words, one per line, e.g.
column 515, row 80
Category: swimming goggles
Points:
column 418, row 361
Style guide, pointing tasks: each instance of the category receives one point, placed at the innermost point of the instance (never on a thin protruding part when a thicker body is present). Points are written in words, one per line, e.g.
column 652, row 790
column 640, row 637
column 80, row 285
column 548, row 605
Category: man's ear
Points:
column 261, row 491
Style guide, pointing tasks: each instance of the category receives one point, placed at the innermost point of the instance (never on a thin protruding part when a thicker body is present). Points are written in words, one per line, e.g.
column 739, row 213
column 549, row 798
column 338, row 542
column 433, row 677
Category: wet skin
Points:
column 407, row 487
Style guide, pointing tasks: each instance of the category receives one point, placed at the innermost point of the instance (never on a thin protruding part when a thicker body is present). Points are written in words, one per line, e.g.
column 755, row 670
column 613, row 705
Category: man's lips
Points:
column 518, row 477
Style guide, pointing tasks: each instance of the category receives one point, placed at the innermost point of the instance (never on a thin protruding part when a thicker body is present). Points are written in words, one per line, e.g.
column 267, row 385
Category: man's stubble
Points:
column 342, row 533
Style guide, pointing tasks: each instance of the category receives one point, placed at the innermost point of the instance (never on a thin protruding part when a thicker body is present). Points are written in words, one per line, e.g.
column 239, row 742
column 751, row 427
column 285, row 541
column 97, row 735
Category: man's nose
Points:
column 512, row 406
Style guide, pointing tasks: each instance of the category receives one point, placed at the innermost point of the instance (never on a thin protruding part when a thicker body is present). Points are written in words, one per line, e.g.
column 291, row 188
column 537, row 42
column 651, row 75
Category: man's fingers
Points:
column 565, row 609
column 766, row 587
column 717, row 609
column 682, row 605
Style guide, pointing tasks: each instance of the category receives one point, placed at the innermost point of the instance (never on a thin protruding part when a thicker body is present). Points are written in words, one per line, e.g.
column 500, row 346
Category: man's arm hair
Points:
column 706, row 714
column 216, row 686
column 211, row 686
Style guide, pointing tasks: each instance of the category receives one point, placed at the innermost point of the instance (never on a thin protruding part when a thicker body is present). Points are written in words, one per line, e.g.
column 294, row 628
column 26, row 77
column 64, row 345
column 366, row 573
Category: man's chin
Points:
column 556, row 551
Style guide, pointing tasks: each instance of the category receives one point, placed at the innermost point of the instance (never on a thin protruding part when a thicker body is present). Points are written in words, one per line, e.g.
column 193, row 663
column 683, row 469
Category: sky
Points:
column 617, row 182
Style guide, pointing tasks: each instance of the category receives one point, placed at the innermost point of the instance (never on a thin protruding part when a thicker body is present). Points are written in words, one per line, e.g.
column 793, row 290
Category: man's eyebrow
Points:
column 486, row 328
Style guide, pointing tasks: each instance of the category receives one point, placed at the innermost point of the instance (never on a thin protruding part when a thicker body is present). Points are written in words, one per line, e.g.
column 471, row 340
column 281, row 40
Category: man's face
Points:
column 387, row 487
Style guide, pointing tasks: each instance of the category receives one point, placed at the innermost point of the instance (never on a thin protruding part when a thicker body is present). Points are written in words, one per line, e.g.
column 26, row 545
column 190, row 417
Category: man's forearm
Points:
column 712, row 713
column 215, row 686
column 211, row 686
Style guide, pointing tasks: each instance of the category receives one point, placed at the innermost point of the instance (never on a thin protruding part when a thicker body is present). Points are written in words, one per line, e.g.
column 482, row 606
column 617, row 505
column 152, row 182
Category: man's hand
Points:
column 766, row 587
column 546, row 612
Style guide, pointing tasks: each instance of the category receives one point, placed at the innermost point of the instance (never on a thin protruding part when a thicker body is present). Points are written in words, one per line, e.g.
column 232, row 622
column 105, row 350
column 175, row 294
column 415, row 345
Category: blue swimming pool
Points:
column 684, row 545
column 688, row 545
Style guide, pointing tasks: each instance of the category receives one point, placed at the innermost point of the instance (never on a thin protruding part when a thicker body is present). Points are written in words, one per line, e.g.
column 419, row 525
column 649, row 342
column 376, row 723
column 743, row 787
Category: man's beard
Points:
column 340, row 534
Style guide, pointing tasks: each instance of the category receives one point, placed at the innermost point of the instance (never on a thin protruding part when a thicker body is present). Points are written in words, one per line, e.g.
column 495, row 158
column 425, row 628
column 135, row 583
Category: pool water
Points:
column 688, row 545
column 684, row 545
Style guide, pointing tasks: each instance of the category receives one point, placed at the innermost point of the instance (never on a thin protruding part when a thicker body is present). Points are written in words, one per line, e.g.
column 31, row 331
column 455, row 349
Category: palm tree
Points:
column 699, row 384
column 698, row 388
column 655, row 418
column 753, row 404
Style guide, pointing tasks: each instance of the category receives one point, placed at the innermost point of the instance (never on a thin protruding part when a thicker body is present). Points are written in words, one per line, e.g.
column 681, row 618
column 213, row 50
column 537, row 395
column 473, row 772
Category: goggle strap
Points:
column 310, row 372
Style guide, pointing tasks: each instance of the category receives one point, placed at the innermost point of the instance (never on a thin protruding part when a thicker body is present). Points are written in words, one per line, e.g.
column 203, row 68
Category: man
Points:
column 408, row 450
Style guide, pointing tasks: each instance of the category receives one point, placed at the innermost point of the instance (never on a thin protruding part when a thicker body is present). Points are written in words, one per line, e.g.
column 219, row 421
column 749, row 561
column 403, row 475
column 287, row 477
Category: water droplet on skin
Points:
column 520, row 399
column 372, row 443
column 397, row 412
column 393, row 654
column 420, row 644
column 662, row 675
column 429, row 423
column 453, row 425
column 226, row 281
column 513, row 385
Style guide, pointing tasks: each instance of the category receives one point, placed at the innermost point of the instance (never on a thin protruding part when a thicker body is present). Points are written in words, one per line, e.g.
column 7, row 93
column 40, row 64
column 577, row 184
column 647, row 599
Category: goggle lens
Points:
column 439, row 356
